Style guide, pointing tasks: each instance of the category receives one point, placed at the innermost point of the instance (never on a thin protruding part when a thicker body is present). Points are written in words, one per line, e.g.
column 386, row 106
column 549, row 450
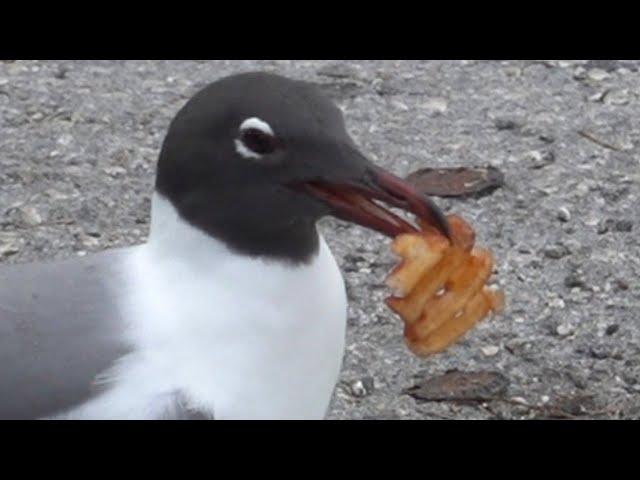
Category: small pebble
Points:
column 513, row 72
column 564, row 215
column 605, row 226
column 580, row 73
column 598, row 75
column 507, row 123
column 564, row 330
column 621, row 226
column 8, row 248
column 612, row 329
column 598, row 97
column 490, row 351
column 89, row 241
column 578, row 380
column 30, row 216
column 361, row 388
column 61, row 73
column 435, row 106
column 618, row 97
column 574, row 280
column 556, row 252
column 624, row 226
column 538, row 159
column 400, row 106
column 600, row 352
column 521, row 202
column 115, row 172
column 65, row 140
column 621, row 285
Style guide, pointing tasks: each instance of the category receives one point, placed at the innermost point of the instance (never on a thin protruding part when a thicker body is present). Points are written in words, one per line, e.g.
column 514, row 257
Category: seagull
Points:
column 235, row 307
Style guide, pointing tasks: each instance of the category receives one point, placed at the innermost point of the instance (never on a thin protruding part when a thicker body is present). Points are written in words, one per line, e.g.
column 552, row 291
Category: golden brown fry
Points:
column 410, row 307
column 420, row 254
column 438, row 340
column 462, row 286
column 440, row 286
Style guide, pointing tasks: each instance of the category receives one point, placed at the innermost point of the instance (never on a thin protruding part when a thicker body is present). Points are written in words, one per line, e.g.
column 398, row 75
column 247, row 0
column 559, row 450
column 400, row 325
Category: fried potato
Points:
column 440, row 287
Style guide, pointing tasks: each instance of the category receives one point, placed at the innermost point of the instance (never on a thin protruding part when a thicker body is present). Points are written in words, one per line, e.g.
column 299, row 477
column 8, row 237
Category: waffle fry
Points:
column 440, row 287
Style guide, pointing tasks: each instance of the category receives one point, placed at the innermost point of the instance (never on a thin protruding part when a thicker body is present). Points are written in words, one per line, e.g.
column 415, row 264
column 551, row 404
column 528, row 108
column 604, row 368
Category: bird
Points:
column 235, row 307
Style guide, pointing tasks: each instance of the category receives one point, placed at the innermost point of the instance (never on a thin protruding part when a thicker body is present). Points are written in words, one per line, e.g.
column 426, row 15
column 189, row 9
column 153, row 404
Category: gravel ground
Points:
column 79, row 141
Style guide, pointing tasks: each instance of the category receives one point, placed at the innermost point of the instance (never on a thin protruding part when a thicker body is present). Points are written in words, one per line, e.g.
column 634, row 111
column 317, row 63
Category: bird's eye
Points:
column 256, row 139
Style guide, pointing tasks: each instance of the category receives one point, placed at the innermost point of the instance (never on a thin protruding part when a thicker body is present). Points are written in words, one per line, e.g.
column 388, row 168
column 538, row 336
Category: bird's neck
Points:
column 296, row 243
column 172, row 236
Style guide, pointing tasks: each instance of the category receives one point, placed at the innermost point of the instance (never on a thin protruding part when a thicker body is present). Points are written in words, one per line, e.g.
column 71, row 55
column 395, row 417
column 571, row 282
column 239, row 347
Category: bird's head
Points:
column 256, row 159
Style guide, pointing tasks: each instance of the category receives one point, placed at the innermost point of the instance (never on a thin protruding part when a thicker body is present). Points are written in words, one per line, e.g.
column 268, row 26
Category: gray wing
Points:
column 60, row 326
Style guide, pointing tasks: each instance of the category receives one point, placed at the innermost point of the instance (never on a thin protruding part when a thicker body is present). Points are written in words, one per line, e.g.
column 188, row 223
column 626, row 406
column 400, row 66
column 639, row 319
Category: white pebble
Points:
column 8, row 247
column 564, row 330
column 618, row 97
column 30, row 216
column 598, row 75
column 490, row 351
column 400, row 106
column 564, row 215
column 65, row 140
column 557, row 303
column 435, row 105
column 115, row 171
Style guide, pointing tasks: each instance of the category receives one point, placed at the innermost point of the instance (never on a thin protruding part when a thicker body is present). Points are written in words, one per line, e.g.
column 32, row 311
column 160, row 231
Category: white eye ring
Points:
column 258, row 124
column 252, row 123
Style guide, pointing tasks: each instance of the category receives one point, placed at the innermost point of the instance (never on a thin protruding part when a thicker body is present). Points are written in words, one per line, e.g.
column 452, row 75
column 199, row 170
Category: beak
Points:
column 357, row 201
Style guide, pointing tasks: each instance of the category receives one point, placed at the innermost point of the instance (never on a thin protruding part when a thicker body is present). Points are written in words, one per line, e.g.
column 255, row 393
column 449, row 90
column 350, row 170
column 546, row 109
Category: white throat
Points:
column 173, row 237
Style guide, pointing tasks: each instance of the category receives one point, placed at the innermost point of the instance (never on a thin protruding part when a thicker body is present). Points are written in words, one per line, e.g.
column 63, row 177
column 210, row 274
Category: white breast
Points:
column 238, row 337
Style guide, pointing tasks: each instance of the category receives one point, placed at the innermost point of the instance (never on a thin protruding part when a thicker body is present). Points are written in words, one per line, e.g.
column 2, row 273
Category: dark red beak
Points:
column 357, row 202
